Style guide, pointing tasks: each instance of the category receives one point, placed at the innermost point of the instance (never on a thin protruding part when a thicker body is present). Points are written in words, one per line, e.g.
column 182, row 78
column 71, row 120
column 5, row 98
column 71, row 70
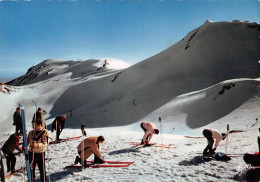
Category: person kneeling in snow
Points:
column 88, row 147
column 149, row 129
column 58, row 125
column 210, row 135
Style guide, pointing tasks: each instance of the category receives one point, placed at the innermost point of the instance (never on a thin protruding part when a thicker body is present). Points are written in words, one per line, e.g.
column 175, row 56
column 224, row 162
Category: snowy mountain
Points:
column 210, row 78
column 119, row 95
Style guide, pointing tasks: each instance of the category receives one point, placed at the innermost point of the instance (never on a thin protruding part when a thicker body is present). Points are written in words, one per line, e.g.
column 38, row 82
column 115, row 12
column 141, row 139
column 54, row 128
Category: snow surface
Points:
column 208, row 79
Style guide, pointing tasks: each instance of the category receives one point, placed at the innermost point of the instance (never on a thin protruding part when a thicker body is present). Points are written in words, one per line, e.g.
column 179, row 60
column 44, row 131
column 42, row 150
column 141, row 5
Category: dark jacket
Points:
column 12, row 143
column 17, row 118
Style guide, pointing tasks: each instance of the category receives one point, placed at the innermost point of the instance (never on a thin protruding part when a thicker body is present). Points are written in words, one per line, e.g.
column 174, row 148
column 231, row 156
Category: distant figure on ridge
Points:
column 58, row 125
column 38, row 141
column 104, row 65
column 17, row 118
column 39, row 116
column 212, row 135
column 88, row 147
column 149, row 129
column 8, row 149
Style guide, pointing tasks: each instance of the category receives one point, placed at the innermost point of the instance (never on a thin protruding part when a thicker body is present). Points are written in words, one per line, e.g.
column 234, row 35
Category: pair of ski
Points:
column 169, row 146
column 64, row 140
column 105, row 164
column 21, row 170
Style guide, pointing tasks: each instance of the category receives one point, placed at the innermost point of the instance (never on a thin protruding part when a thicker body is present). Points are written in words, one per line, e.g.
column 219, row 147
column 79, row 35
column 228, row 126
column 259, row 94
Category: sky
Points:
column 130, row 30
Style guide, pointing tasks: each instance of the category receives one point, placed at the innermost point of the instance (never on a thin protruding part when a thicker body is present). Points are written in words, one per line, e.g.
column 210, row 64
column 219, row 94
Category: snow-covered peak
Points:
column 51, row 68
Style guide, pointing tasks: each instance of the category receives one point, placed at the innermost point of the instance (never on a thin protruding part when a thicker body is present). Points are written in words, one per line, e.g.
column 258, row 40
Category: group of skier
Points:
column 38, row 140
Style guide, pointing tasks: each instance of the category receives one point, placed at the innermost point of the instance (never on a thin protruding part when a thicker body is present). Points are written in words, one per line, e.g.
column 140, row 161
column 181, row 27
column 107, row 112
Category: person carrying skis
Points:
column 39, row 116
column 17, row 118
column 88, row 147
column 8, row 149
column 212, row 135
column 149, row 129
column 38, row 141
column 58, row 125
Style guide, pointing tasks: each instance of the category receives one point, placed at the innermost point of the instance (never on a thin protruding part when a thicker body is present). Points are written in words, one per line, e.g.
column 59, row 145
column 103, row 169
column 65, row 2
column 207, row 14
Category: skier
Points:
column 253, row 159
column 17, row 118
column 149, row 129
column 8, row 149
column 58, row 125
column 88, row 147
column 39, row 116
column 103, row 66
column 105, row 63
column 38, row 141
column 210, row 135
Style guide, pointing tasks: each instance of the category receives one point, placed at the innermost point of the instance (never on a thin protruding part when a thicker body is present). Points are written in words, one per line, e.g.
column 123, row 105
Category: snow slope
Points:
column 210, row 78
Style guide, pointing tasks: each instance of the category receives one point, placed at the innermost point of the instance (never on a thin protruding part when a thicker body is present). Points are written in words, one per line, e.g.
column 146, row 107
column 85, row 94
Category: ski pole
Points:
column 227, row 138
column 160, row 121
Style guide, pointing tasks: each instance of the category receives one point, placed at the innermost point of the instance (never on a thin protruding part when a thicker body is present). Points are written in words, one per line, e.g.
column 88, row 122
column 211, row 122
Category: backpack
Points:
column 219, row 156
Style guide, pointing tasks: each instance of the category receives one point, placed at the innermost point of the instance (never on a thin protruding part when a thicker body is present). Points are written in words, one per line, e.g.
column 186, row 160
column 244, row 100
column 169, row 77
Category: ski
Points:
column 25, row 144
column 113, row 162
column 18, row 171
column 105, row 164
column 99, row 165
column 64, row 140
column 226, row 146
column 193, row 137
column 22, row 169
column 153, row 145
column 110, row 165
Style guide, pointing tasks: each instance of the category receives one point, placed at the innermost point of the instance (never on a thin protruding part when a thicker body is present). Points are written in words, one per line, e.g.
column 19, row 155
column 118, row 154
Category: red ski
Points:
column 64, row 140
column 110, row 165
column 8, row 175
column 193, row 137
column 113, row 162
column 99, row 165
column 105, row 164
column 153, row 145
column 21, row 170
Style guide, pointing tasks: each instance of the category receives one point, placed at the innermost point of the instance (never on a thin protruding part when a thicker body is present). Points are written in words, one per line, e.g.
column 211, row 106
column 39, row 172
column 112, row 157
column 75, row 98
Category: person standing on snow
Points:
column 88, row 147
column 8, row 149
column 39, row 117
column 149, row 129
column 212, row 135
column 38, row 142
column 58, row 125
column 17, row 118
